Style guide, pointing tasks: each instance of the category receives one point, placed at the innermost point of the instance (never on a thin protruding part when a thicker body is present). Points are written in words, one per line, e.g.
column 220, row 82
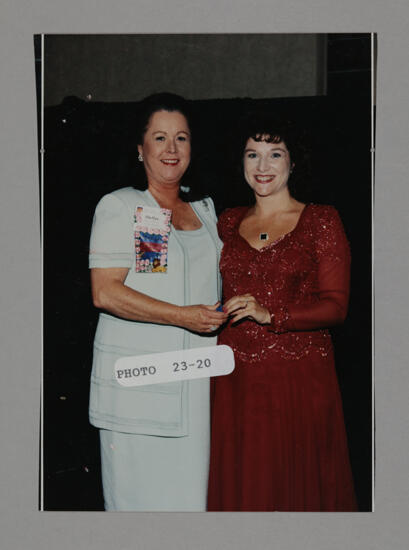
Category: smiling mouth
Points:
column 264, row 179
column 170, row 162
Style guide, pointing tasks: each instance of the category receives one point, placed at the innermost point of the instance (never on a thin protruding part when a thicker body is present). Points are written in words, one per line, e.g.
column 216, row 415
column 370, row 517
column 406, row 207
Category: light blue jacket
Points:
column 157, row 409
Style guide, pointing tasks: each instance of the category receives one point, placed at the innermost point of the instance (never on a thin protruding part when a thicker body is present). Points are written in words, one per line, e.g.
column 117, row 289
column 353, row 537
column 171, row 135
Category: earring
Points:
column 140, row 157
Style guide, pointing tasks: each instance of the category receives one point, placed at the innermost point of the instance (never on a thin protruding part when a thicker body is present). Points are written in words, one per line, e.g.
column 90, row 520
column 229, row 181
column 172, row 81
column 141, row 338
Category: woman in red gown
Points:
column 278, row 435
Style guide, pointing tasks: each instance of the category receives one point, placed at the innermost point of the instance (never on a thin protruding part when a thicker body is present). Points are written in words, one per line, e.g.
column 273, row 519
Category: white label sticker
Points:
column 187, row 364
column 152, row 217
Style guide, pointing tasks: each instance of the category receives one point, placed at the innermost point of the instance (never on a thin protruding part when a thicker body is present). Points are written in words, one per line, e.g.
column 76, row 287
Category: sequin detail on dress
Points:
column 281, row 273
column 278, row 435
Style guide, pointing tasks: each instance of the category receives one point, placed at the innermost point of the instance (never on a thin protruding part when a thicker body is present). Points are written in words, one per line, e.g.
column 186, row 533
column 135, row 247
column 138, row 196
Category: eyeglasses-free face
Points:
column 266, row 166
column 166, row 148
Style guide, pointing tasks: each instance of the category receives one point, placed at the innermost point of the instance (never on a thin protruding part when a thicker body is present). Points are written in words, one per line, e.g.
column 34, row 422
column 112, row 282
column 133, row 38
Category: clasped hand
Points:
column 246, row 306
column 203, row 318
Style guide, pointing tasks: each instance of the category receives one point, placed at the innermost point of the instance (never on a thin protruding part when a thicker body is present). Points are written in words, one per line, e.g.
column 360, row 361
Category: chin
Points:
column 171, row 181
column 263, row 192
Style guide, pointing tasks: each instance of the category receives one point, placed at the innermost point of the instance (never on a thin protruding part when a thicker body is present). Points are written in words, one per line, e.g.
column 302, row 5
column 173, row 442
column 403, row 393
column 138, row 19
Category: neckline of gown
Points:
column 276, row 241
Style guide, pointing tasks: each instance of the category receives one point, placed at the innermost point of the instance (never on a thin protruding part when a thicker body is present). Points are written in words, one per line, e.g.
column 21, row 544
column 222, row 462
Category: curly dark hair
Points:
column 262, row 126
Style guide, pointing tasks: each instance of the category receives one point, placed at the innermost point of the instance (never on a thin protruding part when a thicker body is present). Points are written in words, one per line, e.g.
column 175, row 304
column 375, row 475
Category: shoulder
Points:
column 321, row 210
column 206, row 205
column 322, row 215
column 121, row 200
column 232, row 215
column 229, row 219
column 326, row 229
column 128, row 195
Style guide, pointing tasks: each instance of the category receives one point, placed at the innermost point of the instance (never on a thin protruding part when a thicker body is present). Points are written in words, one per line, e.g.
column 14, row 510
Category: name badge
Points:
column 151, row 233
column 187, row 364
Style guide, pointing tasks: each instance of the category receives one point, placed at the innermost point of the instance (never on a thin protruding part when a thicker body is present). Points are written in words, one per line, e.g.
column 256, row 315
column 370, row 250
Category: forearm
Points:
column 325, row 313
column 122, row 301
column 111, row 294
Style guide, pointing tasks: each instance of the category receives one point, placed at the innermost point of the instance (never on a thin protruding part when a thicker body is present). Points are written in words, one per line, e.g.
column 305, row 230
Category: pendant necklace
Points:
column 263, row 236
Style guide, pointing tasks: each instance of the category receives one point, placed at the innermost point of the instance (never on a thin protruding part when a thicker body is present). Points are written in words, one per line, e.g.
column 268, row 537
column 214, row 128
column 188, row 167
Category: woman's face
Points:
column 266, row 166
column 166, row 148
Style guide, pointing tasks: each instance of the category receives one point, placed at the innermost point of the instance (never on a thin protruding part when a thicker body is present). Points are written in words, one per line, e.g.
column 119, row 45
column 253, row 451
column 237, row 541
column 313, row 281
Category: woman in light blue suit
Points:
column 155, row 438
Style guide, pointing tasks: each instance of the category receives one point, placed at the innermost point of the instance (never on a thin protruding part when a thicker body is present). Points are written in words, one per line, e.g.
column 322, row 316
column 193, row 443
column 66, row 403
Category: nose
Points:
column 263, row 164
column 172, row 146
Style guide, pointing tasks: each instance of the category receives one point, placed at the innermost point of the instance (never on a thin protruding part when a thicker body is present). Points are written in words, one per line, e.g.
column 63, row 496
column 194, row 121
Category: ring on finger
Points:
column 213, row 328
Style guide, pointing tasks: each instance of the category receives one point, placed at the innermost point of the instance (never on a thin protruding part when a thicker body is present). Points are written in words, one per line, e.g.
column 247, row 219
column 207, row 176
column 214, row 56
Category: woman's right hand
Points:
column 110, row 294
column 202, row 318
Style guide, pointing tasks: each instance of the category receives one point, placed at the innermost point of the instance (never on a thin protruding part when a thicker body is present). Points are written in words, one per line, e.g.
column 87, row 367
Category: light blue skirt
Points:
column 153, row 473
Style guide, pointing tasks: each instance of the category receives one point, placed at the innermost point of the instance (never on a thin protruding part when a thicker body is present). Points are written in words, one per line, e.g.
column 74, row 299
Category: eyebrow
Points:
column 163, row 132
column 272, row 149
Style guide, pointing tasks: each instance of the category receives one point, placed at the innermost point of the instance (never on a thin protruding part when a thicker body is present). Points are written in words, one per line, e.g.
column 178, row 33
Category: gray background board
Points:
column 21, row 526
column 126, row 68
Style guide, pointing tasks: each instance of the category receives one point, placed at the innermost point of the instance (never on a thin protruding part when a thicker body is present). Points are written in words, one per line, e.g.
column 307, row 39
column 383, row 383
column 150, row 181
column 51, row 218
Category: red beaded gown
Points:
column 278, row 436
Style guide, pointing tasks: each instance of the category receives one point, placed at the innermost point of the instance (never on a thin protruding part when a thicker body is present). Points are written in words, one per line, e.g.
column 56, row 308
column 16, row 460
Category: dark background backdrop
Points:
column 84, row 143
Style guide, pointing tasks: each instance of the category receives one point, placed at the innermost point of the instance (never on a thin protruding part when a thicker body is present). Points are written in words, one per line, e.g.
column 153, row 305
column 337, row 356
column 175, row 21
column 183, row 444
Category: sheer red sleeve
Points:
column 333, row 257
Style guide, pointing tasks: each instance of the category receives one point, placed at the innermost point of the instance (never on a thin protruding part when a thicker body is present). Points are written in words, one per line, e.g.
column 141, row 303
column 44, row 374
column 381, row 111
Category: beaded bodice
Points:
column 286, row 274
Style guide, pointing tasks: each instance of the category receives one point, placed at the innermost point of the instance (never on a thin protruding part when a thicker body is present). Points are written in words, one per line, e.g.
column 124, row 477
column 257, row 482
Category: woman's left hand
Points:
column 246, row 306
